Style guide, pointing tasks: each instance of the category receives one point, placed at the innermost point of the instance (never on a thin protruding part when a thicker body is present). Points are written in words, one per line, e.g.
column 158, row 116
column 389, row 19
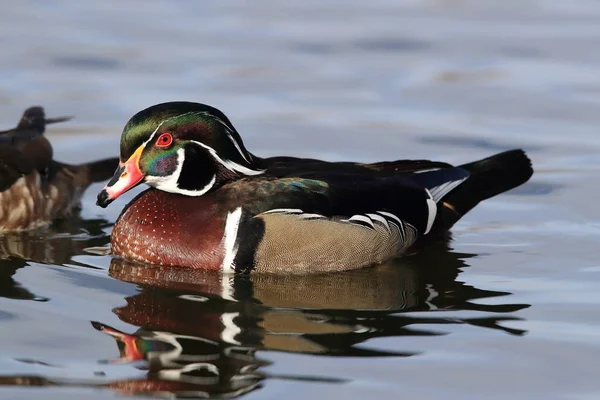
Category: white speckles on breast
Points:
column 154, row 229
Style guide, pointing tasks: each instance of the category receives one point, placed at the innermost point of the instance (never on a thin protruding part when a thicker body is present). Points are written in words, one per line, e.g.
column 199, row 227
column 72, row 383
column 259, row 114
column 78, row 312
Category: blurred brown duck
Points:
column 34, row 188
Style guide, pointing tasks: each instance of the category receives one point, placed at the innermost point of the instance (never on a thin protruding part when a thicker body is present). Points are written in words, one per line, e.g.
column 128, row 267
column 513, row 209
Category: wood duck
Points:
column 214, row 205
column 34, row 188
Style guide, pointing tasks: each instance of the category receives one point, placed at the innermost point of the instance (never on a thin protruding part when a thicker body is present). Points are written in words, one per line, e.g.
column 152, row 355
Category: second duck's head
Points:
column 179, row 147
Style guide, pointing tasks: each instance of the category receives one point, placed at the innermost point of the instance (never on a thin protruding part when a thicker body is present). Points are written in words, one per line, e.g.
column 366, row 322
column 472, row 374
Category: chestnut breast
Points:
column 168, row 229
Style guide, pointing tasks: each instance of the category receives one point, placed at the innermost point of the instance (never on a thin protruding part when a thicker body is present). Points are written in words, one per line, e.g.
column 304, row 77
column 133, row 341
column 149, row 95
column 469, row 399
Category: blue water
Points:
column 508, row 308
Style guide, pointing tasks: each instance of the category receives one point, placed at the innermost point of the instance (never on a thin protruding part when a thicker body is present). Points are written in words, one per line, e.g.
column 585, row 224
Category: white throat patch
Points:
column 169, row 183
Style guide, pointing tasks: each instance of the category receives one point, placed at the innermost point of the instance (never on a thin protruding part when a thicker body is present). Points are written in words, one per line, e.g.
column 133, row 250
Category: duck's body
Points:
column 216, row 206
column 34, row 188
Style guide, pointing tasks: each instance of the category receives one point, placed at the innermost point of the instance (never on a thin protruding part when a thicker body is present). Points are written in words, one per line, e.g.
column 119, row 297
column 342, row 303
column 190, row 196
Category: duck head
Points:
column 28, row 137
column 179, row 147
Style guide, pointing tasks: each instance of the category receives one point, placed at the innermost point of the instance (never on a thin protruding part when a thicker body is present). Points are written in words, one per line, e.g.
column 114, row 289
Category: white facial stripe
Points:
column 165, row 183
column 169, row 183
column 237, row 146
column 229, row 241
column 153, row 133
column 228, row 130
column 230, row 165
column 161, row 124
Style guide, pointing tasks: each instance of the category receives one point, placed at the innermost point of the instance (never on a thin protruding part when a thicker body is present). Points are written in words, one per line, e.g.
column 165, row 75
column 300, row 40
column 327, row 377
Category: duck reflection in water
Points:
column 204, row 334
column 201, row 331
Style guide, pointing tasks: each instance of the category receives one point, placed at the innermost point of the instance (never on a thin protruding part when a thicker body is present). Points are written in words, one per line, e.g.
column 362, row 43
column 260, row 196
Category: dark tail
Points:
column 487, row 178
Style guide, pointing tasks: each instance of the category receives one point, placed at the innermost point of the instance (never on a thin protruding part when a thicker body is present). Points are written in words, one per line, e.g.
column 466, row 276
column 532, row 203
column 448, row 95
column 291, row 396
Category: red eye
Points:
column 164, row 140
